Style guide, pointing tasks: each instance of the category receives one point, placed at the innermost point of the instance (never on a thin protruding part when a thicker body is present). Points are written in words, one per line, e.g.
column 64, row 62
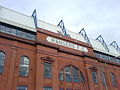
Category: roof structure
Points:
column 27, row 22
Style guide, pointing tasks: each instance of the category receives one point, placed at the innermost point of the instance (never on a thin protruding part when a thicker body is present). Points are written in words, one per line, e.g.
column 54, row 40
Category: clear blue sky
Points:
column 96, row 16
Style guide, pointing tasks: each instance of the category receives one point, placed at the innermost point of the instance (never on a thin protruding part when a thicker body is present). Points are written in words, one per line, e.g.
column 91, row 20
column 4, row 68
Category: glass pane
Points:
column 2, row 55
column 8, row 30
column 2, row 28
column 68, row 89
column 1, row 69
column 113, row 79
column 22, row 88
column 103, row 78
column 82, row 78
column 75, row 74
column 61, row 75
column 2, row 60
column 19, row 33
column 13, row 31
column 47, row 70
column 94, row 76
column 97, row 55
column 68, row 74
column 47, row 88
column 24, row 66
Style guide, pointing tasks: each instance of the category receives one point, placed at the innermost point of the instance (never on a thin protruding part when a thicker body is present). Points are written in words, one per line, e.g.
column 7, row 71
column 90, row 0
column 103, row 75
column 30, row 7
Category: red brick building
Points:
column 44, row 59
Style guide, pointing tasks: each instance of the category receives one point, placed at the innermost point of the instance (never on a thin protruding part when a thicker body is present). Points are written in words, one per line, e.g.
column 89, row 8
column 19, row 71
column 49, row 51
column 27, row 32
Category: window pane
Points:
column 82, row 78
column 8, row 30
column 22, row 88
column 61, row 75
column 47, row 70
column 2, row 60
column 75, row 74
column 113, row 79
column 47, row 88
column 19, row 33
column 2, row 28
column 68, row 89
column 98, row 55
column 13, row 31
column 94, row 76
column 103, row 78
column 68, row 74
column 24, row 66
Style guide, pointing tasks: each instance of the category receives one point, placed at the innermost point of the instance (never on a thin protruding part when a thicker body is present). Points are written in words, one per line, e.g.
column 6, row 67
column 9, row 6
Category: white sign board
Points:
column 66, row 44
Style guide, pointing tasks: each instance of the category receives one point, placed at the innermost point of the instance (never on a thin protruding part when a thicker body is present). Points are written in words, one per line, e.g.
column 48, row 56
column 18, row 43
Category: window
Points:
column 68, row 74
column 82, row 78
column 94, row 77
column 68, row 89
column 8, row 30
column 103, row 79
column 61, row 75
column 113, row 80
column 17, row 32
column 2, row 60
column 22, row 88
column 97, row 54
column 24, row 66
column 2, row 28
column 47, row 88
column 75, row 72
column 13, row 31
column 47, row 70
column 71, row 74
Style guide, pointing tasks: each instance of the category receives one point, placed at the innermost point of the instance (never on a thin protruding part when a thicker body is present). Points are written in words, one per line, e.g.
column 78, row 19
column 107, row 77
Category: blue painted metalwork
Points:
column 83, row 33
column 62, row 26
column 34, row 15
column 101, row 40
column 115, row 45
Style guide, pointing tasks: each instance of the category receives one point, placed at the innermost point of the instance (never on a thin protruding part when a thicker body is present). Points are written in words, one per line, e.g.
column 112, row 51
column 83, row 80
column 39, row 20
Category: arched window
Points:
column 94, row 77
column 2, row 60
column 113, row 79
column 103, row 78
column 71, row 73
column 24, row 66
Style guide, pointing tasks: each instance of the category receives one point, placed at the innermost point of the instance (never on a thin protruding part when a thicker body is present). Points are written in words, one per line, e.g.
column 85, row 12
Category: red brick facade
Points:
column 41, row 51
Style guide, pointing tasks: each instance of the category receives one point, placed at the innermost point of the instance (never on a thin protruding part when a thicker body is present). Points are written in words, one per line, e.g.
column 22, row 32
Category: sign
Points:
column 66, row 44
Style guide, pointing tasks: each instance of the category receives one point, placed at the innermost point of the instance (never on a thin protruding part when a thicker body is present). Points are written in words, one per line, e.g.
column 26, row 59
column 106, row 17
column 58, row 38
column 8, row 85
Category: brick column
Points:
column 12, row 66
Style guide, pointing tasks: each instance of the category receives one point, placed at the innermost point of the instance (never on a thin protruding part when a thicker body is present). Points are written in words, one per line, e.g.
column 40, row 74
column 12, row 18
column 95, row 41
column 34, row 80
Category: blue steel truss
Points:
column 34, row 16
column 115, row 45
column 62, row 26
column 101, row 40
column 83, row 33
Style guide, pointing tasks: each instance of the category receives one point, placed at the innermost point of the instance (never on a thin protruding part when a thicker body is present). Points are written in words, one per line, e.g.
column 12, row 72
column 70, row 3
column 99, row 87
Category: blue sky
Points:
column 97, row 17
